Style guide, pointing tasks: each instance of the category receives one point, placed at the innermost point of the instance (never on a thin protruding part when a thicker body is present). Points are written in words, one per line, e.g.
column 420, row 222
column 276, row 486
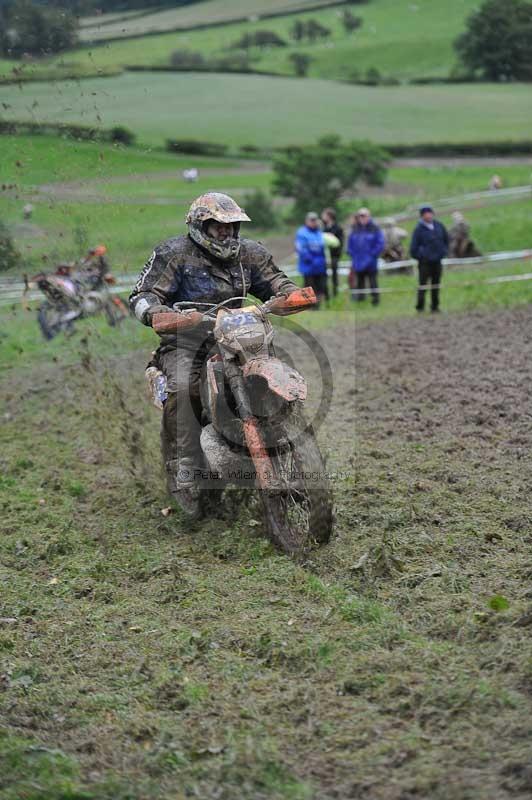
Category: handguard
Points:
column 292, row 303
column 175, row 322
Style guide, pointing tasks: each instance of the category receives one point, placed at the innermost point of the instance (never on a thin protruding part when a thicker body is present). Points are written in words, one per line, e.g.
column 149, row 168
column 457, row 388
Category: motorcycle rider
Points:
column 94, row 267
column 210, row 264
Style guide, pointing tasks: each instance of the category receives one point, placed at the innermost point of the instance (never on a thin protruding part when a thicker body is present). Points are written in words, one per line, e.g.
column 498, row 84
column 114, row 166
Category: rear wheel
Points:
column 298, row 515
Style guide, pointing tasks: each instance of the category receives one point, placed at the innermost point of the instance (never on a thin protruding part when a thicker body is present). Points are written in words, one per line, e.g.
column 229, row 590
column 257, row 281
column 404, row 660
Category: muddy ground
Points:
column 164, row 662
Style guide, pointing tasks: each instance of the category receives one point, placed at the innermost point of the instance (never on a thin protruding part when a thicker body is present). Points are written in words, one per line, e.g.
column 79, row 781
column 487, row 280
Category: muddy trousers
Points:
column 181, row 422
column 429, row 272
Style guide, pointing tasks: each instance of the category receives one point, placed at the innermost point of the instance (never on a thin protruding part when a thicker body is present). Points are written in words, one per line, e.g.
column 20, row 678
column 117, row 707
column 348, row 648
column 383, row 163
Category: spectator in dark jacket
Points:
column 365, row 244
column 430, row 243
column 311, row 262
column 330, row 225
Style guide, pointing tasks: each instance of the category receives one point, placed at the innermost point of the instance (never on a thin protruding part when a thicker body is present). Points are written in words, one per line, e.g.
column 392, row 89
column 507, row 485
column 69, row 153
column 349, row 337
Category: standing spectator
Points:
column 330, row 225
column 365, row 244
column 310, row 248
column 430, row 243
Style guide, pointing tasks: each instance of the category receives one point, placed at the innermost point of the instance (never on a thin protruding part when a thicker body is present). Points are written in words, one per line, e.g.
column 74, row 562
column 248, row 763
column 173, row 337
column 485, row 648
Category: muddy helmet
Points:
column 221, row 208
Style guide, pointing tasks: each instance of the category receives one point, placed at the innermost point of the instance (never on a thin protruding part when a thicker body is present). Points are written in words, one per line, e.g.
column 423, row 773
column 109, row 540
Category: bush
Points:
column 236, row 62
column 317, row 175
column 194, row 147
column 301, row 62
column 187, row 59
column 373, row 77
column 259, row 207
column 497, row 41
column 309, row 29
column 61, row 72
column 9, row 255
column 250, row 150
column 259, row 39
column 191, row 60
column 81, row 132
column 297, row 31
column 315, row 30
column 123, row 135
column 350, row 21
column 444, row 149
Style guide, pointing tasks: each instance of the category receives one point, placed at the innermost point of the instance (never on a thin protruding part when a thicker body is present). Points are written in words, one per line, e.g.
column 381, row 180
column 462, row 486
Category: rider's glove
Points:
column 156, row 310
column 170, row 322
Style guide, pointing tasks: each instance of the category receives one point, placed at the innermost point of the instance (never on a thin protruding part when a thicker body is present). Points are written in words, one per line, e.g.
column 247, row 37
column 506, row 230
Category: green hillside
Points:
column 400, row 39
column 269, row 112
column 110, row 26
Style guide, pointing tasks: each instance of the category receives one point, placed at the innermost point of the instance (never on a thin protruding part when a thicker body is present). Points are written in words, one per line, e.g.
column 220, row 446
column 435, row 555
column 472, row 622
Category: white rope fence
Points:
column 471, row 200
column 408, row 264
column 427, row 286
column 11, row 289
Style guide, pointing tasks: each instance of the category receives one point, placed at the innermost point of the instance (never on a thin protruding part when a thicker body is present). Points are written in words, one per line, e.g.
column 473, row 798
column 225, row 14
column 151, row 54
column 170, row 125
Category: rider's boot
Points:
column 183, row 487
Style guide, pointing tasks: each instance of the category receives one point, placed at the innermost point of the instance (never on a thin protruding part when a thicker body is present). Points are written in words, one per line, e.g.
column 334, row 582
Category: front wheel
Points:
column 50, row 319
column 300, row 513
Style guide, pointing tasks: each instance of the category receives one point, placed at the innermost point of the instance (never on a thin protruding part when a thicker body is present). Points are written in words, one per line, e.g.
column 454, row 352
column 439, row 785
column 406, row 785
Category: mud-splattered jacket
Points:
column 178, row 270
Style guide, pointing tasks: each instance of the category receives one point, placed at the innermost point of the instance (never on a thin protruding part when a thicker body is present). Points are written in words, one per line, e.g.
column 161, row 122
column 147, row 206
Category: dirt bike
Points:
column 254, row 431
column 69, row 299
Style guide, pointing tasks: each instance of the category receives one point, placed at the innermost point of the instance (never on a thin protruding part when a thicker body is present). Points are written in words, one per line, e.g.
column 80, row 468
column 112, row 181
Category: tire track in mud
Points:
column 456, row 376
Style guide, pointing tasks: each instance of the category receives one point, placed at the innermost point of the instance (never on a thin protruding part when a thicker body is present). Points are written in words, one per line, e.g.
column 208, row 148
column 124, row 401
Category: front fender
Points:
column 282, row 380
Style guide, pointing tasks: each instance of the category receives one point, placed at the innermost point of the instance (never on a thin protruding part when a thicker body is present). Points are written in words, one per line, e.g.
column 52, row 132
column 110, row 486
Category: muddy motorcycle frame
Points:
column 265, row 424
column 67, row 301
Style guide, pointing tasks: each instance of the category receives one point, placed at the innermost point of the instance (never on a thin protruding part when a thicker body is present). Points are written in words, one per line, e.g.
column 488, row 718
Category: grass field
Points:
column 132, row 198
column 32, row 160
column 393, row 39
column 210, row 12
column 157, row 106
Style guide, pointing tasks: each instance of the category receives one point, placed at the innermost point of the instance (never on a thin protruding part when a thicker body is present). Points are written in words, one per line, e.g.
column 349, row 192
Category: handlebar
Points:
column 184, row 319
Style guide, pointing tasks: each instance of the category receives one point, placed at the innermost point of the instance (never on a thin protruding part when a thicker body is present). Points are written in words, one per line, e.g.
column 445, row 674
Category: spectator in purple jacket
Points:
column 365, row 244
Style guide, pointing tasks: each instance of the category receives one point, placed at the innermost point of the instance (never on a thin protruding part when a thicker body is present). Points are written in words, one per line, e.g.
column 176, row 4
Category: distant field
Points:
column 130, row 223
column 271, row 112
column 399, row 38
column 133, row 198
column 32, row 160
column 213, row 11
column 95, row 20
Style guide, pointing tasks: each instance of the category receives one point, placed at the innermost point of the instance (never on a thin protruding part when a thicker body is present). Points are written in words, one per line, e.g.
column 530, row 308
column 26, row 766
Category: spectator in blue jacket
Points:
column 430, row 243
column 312, row 262
column 365, row 244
